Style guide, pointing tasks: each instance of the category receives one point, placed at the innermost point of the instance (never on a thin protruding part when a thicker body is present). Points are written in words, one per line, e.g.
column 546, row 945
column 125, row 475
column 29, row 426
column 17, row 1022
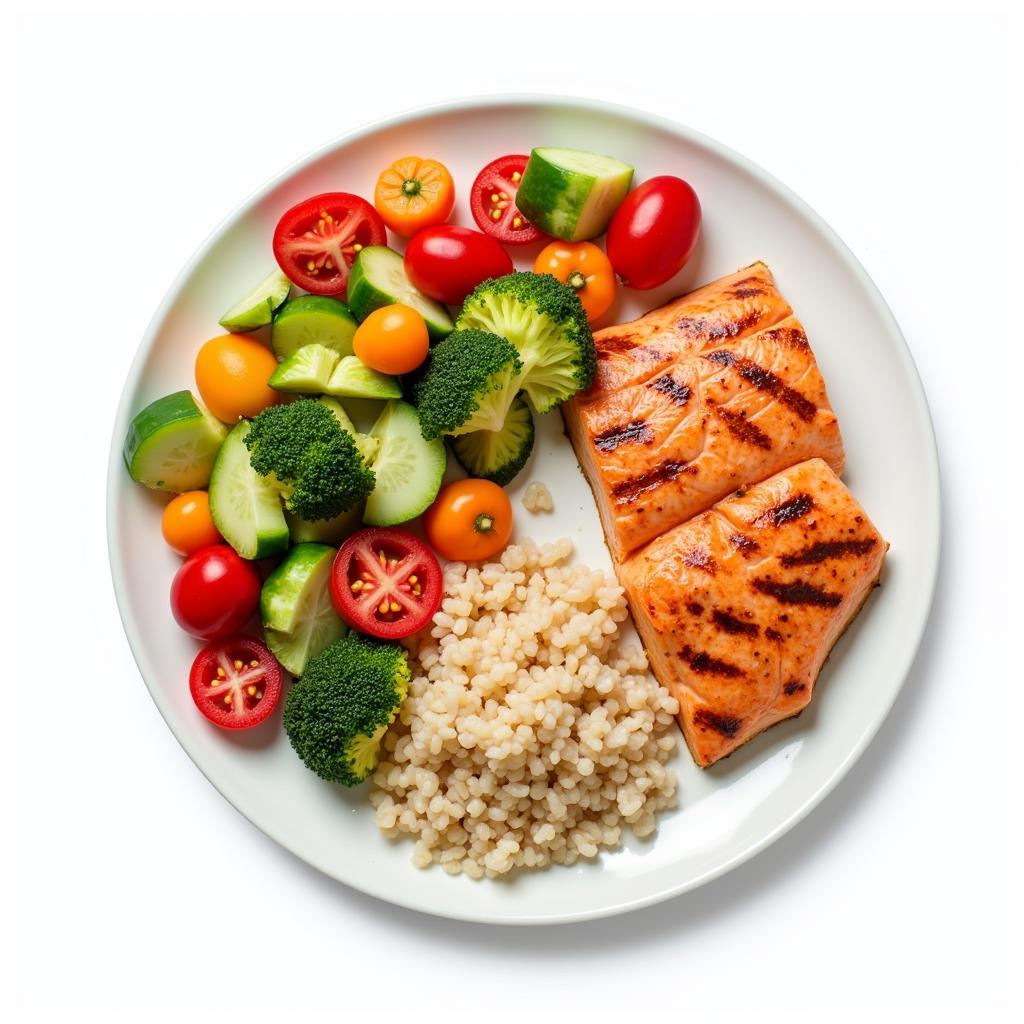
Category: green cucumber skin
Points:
column 272, row 537
column 299, row 316
column 278, row 597
column 276, row 287
column 325, row 531
column 145, row 429
column 364, row 297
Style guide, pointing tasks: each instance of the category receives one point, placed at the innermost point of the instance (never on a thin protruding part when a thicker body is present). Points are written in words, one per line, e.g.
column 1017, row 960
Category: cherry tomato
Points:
column 235, row 682
column 232, row 373
column 187, row 525
column 392, row 339
column 214, row 592
column 582, row 266
column 413, row 194
column 469, row 521
column 654, row 231
column 493, row 201
column 386, row 582
column 317, row 240
column 448, row 262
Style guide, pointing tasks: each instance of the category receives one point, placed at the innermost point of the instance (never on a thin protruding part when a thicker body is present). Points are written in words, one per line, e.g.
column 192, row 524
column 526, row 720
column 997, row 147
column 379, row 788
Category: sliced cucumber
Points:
column 378, row 279
column 572, row 194
column 245, row 507
column 306, row 371
column 289, row 589
column 325, row 531
column 312, row 320
column 257, row 309
column 339, row 413
column 172, row 443
column 498, row 455
column 354, row 379
column 408, row 468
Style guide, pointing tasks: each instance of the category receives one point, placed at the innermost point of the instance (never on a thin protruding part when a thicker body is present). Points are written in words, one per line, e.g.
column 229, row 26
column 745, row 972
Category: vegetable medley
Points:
column 288, row 514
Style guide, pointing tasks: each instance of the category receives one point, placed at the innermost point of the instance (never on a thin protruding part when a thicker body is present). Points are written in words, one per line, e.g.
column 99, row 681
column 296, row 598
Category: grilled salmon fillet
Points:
column 717, row 389
column 739, row 607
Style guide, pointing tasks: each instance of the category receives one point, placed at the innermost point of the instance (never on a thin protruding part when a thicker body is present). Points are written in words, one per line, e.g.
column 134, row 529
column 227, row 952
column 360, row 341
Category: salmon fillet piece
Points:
column 739, row 607
column 717, row 389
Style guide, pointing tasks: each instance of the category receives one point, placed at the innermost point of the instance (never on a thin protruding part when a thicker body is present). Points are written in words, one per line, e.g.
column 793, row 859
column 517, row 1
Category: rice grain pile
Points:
column 529, row 736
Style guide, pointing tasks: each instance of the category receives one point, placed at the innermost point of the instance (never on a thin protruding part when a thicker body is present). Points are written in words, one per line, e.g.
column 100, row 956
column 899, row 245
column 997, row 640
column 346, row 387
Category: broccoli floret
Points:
column 545, row 321
column 312, row 459
column 498, row 455
column 338, row 711
column 470, row 383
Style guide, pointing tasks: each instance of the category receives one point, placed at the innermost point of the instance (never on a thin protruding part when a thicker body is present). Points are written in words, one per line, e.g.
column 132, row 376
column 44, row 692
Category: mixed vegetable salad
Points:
column 286, row 510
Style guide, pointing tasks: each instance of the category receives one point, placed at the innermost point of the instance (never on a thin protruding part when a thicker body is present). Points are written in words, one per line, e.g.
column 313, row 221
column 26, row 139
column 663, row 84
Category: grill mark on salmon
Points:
column 730, row 624
column 788, row 337
column 634, row 432
column 615, row 343
column 702, row 663
column 765, row 380
column 746, row 546
column 672, row 389
column 627, row 491
column 695, row 608
column 742, row 429
column 727, row 725
column 797, row 592
column 793, row 687
column 797, row 506
column 702, row 328
column 699, row 558
column 772, row 634
column 826, row 549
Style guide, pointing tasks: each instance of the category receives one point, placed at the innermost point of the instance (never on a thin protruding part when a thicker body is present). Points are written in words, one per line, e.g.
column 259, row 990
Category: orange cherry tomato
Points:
column 583, row 266
column 470, row 520
column 232, row 373
column 392, row 339
column 187, row 525
column 413, row 193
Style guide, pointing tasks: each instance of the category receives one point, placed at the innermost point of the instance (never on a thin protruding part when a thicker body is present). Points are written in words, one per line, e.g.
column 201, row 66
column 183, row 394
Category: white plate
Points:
column 727, row 813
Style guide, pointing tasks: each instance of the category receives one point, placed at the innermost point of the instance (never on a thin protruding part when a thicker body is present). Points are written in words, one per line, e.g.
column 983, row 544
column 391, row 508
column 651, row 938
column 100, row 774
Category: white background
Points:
column 134, row 892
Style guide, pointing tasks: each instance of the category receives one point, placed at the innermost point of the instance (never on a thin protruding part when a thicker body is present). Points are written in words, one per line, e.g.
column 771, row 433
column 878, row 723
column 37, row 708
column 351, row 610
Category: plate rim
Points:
column 932, row 526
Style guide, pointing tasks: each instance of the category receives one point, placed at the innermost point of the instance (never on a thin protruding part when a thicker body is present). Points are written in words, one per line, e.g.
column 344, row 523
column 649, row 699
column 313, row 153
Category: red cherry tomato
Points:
column 448, row 262
column 493, row 201
column 214, row 592
column 386, row 582
column 654, row 231
column 235, row 682
column 317, row 240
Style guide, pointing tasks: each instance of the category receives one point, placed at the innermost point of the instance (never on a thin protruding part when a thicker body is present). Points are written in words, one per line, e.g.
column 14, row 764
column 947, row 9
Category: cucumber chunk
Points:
column 324, row 531
column 246, row 508
column 378, row 279
column 312, row 320
column 368, row 446
column 257, row 309
column 354, row 379
column 408, row 468
column 572, row 194
column 498, row 455
column 307, row 371
column 172, row 443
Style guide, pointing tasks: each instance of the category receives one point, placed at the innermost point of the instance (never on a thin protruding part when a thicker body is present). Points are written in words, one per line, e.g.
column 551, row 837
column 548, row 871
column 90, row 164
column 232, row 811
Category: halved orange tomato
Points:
column 414, row 193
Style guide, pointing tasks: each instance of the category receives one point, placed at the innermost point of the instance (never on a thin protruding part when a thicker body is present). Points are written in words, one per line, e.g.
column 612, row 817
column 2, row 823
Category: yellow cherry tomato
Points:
column 469, row 521
column 232, row 373
column 413, row 193
column 392, row 339
column 187, row 525
column 584, row 267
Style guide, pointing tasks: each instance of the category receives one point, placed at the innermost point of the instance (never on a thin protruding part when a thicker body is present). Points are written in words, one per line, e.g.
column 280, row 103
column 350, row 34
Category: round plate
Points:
column 727, row 813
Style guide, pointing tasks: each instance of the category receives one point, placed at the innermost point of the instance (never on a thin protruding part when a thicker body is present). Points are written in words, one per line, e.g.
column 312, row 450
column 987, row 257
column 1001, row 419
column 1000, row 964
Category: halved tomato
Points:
column 493, row 201
column 235, row 682
column 317, row 240
column 386, row 582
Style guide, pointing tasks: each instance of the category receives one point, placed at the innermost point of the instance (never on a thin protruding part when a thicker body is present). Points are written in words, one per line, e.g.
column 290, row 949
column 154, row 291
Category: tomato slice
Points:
column 386, row 582
column 235, row 682
column 317, row 240
column 493, row 201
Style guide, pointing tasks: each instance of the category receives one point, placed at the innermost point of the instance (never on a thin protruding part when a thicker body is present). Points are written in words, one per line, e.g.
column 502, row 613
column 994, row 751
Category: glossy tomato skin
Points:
column 303, row 236
column 232, row 371
column 187, row 525
column 393, row 339
column 235, row 682
column 492, row 201
column 408, row 576
column 469, row 521
column 214, row 592
column 654, row 232
column 447, row 262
